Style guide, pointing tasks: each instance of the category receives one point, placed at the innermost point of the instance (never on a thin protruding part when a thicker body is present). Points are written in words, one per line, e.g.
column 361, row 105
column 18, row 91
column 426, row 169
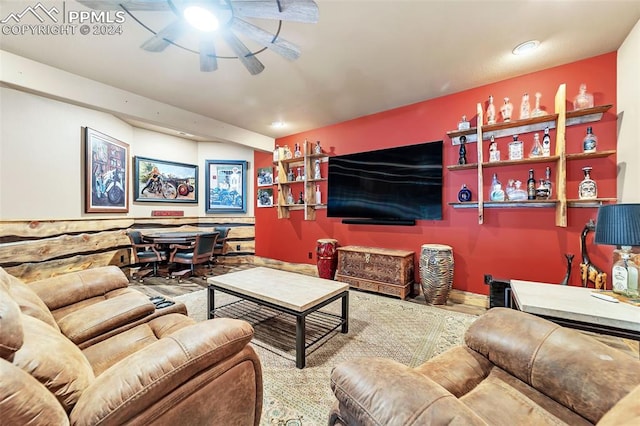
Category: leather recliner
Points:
column 161, row 368
column 514, row 369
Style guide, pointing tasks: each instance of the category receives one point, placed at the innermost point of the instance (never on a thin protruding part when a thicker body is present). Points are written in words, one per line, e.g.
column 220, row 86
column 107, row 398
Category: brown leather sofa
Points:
column 84, row 349
column 514, row 369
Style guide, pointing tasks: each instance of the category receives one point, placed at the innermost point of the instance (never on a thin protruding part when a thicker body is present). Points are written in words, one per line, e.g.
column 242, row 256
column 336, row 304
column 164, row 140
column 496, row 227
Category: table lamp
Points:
column 619, row 225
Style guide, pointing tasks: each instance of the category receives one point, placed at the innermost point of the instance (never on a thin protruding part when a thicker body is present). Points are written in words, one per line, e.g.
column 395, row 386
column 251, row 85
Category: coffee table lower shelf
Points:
column 310, row 327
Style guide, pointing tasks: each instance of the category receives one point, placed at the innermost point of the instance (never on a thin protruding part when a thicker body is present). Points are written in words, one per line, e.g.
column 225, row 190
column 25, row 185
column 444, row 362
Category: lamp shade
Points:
column 618, row 225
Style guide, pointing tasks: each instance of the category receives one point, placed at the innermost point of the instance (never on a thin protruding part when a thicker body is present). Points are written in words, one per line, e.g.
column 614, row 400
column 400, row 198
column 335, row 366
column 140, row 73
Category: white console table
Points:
column 574, row 307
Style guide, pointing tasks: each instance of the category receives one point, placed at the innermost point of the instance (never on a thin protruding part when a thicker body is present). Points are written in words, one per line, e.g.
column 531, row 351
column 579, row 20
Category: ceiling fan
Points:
column 231, row 18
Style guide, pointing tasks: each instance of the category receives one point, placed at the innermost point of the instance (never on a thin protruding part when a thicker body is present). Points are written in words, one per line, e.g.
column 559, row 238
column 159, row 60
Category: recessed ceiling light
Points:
column 277, row 124
column 526, row 47
column 201, row 18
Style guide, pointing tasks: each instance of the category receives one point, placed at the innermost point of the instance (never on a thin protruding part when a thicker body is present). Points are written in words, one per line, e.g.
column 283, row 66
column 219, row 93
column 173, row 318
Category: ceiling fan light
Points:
column 201, row 18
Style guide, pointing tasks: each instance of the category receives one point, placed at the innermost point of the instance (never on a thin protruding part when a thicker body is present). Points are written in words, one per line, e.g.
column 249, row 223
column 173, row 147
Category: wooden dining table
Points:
column 165, row 239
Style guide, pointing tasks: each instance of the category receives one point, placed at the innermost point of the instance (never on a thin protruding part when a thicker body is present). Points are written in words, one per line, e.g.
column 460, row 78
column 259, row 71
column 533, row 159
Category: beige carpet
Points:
column 378, row 327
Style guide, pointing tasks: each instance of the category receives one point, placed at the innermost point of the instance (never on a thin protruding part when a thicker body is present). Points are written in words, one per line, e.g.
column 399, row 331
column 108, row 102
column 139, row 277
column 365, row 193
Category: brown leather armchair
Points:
column 514, row 369
column 165, row 370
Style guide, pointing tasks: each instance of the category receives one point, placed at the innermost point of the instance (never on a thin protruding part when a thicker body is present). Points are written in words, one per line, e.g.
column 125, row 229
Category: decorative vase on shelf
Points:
column 590, row 141
column 464, row 194
column 587, row 189
column 583, row 99
column 506, row 110
column 536, row 149
column 463, row 124
column 525, row 108
column 491, row 112
column 494, row 152
column 462, row 152
column 497, row 193
column 537, row 111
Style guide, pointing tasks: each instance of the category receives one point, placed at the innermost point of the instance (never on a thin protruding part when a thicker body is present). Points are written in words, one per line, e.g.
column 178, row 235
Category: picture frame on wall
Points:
column 226, row 187
column 106, row 173
column 163, row 181
column 265, row 197
column 265, row 176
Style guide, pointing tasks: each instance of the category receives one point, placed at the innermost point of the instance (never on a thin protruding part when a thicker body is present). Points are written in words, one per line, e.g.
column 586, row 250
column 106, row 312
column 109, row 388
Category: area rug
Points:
column 379, row 326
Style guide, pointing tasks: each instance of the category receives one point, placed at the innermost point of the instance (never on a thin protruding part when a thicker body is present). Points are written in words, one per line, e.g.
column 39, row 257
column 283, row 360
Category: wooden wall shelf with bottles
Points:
column 306, row 163
column 560, row 120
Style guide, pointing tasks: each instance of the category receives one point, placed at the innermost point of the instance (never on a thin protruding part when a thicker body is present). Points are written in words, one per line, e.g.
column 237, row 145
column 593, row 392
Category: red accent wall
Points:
column 512, row 243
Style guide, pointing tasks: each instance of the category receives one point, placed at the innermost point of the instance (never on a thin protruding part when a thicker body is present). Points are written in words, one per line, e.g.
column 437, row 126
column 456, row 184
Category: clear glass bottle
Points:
column 587, row 189
column 290, row 197
column 583, row 99
column 506, row 110
column 497, row 193
column 316, row 170
column 516, row 150
column 625, row 274
column 518, row 193
column 547, row 181
column 287, row 152
column 491, row 111
column 463, row 124
column 318, row 148
column 276, row 154
column 525, row 107
column 511, row 187
column 537, row 111
column 291, row 176
column 318, row 195
column 300, row 175
column 536, row 149
column 531, row 186
column 494, row 152
column 297, row 153
column 590, row 141
column 546, row 143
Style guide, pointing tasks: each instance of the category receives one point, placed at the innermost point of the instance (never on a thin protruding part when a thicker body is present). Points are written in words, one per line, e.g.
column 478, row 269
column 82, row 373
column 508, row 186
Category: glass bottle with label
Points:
column 587, row 189
column 276, row 154
column 290, row 197
column 536, row 149
column 583, row 99
column 547, row 181
column 497, row 193
column 463, row 124
column 491, row 112
column 590, row 141
column 464, row 194
column 546, row 143
column 494, row 152
column 506, row 110
column 531, row 186
column 518, row 193
column 525, row 108
column 516, row 150
column 316, row 170
column 291, row 176
column 318, row 148
column 301, row 198
column 297, row 153
column 542, row 192
column 318, row 195
column 625, row 274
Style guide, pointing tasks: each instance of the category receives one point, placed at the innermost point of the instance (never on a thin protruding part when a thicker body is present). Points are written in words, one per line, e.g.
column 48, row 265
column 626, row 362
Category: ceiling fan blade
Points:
column 208, row 59
column 284, row 10
column 148, row 5
column 265, row 38
column 251, row 63
column 164, row 37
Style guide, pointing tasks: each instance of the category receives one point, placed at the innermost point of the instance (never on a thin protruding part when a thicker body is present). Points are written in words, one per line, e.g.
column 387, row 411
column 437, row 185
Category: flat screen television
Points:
column 388, row 186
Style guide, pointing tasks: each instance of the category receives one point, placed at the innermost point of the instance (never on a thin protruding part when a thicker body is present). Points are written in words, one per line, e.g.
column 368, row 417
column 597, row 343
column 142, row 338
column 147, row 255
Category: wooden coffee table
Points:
column 295, row 294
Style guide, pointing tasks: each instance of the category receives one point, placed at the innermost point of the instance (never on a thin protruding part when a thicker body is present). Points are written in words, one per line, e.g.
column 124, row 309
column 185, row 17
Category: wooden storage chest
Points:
column 374, row 269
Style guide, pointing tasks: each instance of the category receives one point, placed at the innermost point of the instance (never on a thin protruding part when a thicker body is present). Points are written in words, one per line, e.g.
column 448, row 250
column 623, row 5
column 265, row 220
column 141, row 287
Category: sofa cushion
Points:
column 29, row 302
column 54, row 361
column 11, row 334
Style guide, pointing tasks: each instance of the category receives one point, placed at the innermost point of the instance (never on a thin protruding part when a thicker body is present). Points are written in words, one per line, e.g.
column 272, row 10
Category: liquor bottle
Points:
column 318, row 148
column 462, row 151
column 494, row 153
column 301, row 198
column 463, row 124
column 587, row 189
column 491, row 112
column 537, row 111
column 590, row 141
column 318, row 195
column 276, row 154
column 518, row 193
column 290, row 197
column 506, row 110
column 464, row 194
column 516, row 150
column 297, row 153
column 525, row 108
column 287, row 152
column 316, row 170
column 542, row 192
column 546, row 143
column 583, row 99
column 497, row 194
column 547, row 181
column 531, row 186
column 536, row 149
column 625, row 275
column 291, row 176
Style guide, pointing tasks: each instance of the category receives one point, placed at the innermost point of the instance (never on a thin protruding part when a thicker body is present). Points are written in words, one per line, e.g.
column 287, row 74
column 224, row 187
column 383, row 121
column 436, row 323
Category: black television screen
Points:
column 401, row 183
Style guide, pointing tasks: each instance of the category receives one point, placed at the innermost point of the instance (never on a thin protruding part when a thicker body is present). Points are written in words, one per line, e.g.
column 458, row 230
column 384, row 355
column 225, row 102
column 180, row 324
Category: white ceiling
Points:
column 362, row 57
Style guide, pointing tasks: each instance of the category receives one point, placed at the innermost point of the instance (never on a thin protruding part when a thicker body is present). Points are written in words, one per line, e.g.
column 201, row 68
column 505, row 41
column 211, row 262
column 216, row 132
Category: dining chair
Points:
column 145, row 253
column 197, row 253
column 221, row 244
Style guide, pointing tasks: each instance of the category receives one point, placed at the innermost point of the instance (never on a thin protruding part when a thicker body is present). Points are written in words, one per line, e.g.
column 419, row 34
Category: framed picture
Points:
column 106, row 173
column 265, row 176
column 226, row 186
column 165, row 181
column 265, row 197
